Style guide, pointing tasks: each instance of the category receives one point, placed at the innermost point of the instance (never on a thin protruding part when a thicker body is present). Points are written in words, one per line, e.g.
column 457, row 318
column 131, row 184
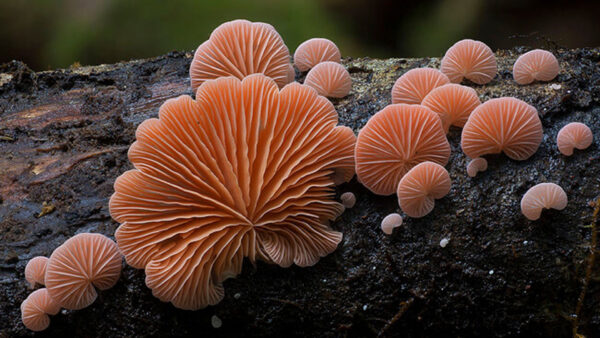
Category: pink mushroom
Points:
column 414, row 85
column 453, row 103
column 543, row 196
column 390, row 222
column 476, row 165
column 469, row 59
column 36, row 270
column 421, row 186
column 537, row 64
column 574, row 135
column 329, row 79
column 36, row 308
column 314, row 51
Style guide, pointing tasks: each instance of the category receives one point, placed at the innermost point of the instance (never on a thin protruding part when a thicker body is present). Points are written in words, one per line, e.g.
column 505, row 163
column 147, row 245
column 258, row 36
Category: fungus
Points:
column 469, row 59
column 506, row 125
column 240, row 48
column 36, row 308
column 291, row 73
column 542, row 196
column 314, row 51
column 393, row 141
column 574, row 135
column 329, row 79
column 414, row 85
column 82, row 262
column 537, row 64
column 390, row 222
column 246, row 170
column 421, row 186
column 476, row 165
column 36, row 270
column 348, row 200
column 453, row 103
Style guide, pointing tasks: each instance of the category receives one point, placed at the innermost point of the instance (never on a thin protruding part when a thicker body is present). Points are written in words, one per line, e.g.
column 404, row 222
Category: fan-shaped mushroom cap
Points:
column 82, row 262
column 348, row 200
column 35, row 309
column 542, row 196
column 421, row 186
column 469, row 59
column 390, row 222
column 574, row 135
column 476, row 165
column 506, row 125
column 36, row 270
column 314, row 51
column 240, row 48
column 537, row 64
column 244, row 171
column 414, row 85
column 393, row 141
column 329, row 79
column 453, row 103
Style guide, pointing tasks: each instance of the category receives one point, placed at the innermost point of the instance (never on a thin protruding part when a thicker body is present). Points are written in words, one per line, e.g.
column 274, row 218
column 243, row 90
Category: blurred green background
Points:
column 48, row 34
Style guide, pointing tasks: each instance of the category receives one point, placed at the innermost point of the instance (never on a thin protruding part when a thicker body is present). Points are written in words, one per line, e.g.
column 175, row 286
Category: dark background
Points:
column 48, row 34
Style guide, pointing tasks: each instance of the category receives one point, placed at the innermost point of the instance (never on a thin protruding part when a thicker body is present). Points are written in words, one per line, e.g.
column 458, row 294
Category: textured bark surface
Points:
column 64, row 137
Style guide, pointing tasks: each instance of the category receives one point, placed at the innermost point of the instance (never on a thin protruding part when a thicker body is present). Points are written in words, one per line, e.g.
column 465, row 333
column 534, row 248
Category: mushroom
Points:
column 35, row 270
column 291, row 73
column 542, row 196
column 421, row 186
column 414, row 85
column 574, row 135
column 476, row 165
column 390, row 222
column 329, row 79
column 246, row 170
column 82, row 262
column 393, row 141
column 348, row 200
column 36, row 308
column 537, row 64
column 506, row 125
column 453, row 103
column 314, row 51
column 240, row 48
column 469, row 59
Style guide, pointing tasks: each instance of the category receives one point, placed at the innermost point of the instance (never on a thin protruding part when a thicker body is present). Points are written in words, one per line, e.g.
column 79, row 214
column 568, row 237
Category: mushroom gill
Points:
column 36, row 308
column 414, row 85
column 35, row 270
column 537, row 64
column 574, row 135
column 314, row 51
column 329, row 79
column 543, row 196
column 453, row 103
column 246, row 170
column 470, row 59
column 421, row 186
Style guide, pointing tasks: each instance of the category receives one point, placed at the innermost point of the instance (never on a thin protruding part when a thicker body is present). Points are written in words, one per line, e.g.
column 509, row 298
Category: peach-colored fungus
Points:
column 329, row 79
column 469, row 59
column 291, row 73
column 240, row 48
column 421, row 186
column 414, row 85
column 390, row 222
column 36, row 270
column 506, row 125
column 542, row 196
column 314, row 51
column 393, row 141
column 348, row 200
column 453, row 103
column 574, row 135
column 538, row 64
column 246, row 170
column 82, row 262
column 36, row 308
column 476, row 165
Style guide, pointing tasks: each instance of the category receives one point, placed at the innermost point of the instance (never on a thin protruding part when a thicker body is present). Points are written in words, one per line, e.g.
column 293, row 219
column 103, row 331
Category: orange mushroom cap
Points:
column 476, row 165
column 246, row 170
column 469, row 59
column 390, row 222
column 453, row 103
column 314, row 51
column 542, row 196
column 574, row 135
column 421, row 186
column 329, row 79
column 414, row 85
column 82, row 262
column 35, row 309
column 537, row 64
column 506, row 125
column 240, row 48
column 36, row 270
column 393, row 141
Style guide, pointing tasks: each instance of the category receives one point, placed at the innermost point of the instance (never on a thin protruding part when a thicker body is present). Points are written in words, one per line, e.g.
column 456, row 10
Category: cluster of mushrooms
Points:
column 248, row 168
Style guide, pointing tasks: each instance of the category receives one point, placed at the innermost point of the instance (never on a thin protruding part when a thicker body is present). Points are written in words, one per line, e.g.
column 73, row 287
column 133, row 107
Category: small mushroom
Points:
column 414, row 85
column 421, row 186
column 574, row 135
column 469, row 59
column 476, row 165
column 329, row 79
column 36, row 270
column 390, row 222
column 542, row 196
column 36, row 308
column 453, row 103
column 348, row 199
column 314, row 51
column 537, row 64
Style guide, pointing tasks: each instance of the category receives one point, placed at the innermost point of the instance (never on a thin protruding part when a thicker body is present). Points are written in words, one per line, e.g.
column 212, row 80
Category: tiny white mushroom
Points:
column 444, row 242
column 216, row 322
column 390, row 222
column 348, row 200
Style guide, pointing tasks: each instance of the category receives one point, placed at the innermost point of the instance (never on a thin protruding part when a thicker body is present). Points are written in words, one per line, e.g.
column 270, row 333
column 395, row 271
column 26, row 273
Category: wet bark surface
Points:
column 64, row 137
